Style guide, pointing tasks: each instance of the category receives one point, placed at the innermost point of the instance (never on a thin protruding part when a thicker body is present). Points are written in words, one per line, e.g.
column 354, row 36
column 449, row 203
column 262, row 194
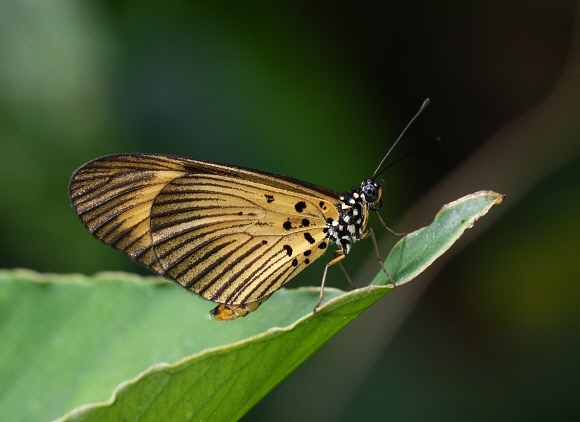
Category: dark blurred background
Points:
column 319, row 91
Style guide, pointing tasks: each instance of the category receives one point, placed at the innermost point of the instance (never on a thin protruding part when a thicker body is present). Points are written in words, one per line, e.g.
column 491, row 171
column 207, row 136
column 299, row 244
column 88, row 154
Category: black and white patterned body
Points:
column 354, row 212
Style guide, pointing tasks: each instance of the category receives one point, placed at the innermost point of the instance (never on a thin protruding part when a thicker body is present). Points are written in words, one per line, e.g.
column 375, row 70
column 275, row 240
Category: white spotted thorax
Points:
column 354, row 212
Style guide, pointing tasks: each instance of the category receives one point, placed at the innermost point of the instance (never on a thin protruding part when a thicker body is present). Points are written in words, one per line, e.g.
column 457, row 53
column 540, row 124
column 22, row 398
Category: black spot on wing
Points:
column 322, row 245
column 295, row 262
column 287, row 225
column 269, row 198
column 288, row 249
column 300, row 206
column 309, row 238
column 305, row 222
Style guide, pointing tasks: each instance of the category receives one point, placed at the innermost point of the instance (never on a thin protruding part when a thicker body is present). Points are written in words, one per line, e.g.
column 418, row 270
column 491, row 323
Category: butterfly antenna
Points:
column 423, row 106
column 411, row 153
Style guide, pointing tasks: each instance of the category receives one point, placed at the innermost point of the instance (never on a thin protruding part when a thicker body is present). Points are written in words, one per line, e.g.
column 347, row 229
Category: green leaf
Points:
column 417, row 250
column 71, row 340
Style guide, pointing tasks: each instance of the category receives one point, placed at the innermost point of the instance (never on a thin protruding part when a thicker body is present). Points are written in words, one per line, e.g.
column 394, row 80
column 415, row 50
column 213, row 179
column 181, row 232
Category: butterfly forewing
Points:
column 230, row 234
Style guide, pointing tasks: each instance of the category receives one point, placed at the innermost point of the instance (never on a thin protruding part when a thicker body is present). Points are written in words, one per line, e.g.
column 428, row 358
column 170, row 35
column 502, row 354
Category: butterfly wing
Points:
column 230, row 234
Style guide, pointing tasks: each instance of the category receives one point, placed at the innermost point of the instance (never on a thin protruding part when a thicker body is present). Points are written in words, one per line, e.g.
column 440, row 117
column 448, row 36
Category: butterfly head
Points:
column 371, row 192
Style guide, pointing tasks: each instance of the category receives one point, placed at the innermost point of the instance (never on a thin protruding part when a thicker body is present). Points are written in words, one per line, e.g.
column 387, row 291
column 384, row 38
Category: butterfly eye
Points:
column 371, row 191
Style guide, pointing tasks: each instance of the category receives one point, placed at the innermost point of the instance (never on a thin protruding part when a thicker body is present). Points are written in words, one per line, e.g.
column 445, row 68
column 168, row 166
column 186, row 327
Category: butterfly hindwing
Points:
column 230, row 234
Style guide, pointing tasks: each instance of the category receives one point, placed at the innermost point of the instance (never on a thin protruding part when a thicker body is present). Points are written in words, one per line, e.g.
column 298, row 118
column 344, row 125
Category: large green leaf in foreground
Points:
column 71, row 340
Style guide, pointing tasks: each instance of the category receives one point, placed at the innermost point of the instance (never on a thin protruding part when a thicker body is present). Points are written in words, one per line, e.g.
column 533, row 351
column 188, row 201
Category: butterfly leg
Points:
column 346, row 275
column 386, row 227
column 376, row 246
column 334, row 261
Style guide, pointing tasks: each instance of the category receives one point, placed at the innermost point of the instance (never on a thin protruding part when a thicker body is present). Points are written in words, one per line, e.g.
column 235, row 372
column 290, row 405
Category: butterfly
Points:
column 232, row 235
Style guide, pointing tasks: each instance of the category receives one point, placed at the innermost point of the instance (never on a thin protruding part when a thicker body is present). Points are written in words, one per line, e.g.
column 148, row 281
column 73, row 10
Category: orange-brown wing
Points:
column 232, row 235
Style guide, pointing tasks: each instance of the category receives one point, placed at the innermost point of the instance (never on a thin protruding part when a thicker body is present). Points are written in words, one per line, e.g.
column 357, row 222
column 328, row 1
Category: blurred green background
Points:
column 319, row 91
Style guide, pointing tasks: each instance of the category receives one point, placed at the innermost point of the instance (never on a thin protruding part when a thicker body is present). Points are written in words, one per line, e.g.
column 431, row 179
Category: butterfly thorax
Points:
column 353, row 215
